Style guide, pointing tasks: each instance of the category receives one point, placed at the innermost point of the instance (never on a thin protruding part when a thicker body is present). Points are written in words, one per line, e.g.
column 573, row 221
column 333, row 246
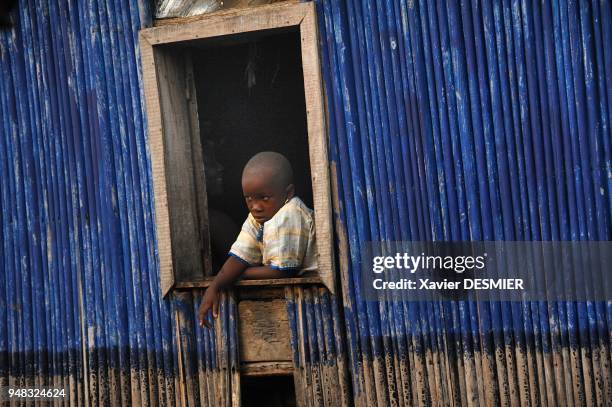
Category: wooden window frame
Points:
column 226, row 23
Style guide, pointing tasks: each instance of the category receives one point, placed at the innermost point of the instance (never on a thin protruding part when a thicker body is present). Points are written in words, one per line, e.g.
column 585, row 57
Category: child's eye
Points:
column 265, row 198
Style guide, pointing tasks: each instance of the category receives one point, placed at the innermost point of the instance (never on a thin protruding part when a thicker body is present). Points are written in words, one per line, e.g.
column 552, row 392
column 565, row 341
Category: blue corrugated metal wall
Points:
column 80, row 304
column 448, row 121
column 470, row 120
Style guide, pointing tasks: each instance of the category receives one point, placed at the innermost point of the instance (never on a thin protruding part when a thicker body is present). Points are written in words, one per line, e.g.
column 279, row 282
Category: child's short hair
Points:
column 271, row 161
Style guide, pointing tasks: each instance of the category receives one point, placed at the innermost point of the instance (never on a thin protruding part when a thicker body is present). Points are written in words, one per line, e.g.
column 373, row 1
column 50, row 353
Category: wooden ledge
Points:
column 253, row 283
column 266, row 369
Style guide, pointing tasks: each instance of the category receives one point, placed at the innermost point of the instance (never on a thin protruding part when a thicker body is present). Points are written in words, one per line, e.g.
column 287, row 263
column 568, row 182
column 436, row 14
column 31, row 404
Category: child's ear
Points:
column 290, row 191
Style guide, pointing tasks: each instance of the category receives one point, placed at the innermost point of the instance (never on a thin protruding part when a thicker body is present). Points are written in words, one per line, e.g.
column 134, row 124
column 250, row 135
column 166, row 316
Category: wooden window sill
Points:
column 253, row 283
column 259, row 369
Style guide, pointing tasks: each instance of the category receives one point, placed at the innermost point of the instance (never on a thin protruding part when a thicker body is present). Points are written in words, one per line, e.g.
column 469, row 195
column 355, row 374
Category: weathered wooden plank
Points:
column 254, row 283
column 260, row 293
column 229, row 22
column 197, row 159
column 156, row 148
column 317, row 144
column 171, row 128
column 262, row 369
column 179, row 169
column 264, row 331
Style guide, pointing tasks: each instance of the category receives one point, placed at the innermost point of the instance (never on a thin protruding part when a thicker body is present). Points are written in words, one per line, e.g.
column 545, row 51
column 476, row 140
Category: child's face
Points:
column 264, row 198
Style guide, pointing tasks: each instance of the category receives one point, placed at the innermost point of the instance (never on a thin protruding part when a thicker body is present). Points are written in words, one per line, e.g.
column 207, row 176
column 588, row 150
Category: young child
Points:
column 277, row 239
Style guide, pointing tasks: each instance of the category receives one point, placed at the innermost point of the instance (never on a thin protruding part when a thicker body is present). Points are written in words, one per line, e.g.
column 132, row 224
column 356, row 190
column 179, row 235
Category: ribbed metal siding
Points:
column 471, row 121
column 448, row 121
column 209, row 364
column 318, row 343
column 80, row 301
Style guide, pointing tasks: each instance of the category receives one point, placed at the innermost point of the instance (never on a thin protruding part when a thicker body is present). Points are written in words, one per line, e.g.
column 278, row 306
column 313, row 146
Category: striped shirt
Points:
column 285, row 242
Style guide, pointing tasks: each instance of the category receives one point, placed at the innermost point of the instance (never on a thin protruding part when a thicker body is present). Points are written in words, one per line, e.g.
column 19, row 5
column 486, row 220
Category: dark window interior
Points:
column 271, row 391
column 250, row 92
column 251, row 99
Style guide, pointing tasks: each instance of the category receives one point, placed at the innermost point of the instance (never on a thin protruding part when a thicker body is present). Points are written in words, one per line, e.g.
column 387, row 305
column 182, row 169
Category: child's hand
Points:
column 209, row 302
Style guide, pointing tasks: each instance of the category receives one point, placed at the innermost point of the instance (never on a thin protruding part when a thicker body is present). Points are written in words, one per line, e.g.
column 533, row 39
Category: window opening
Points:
column 218, row 90
column 250, row 99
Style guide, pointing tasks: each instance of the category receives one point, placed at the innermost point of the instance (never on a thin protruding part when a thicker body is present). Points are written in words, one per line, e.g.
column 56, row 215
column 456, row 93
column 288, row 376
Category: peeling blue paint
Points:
column 449, row 120
column 500, row 109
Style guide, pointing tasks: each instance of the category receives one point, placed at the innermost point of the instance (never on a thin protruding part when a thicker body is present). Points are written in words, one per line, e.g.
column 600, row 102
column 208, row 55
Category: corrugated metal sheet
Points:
column 209, row 358
column 80, row 300
column 471, row 121
column 318, row 342
column 448, row 121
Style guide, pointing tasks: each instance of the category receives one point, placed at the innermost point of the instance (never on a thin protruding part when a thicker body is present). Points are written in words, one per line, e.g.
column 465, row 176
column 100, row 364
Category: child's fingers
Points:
column 204, row 308
column 216, row 309
column 203, row 322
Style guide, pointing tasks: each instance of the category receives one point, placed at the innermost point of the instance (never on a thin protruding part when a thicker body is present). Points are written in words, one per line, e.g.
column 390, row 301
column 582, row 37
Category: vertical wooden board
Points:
column 156, row 147
column 317, row 143
column 197, row 158
column 180, row 185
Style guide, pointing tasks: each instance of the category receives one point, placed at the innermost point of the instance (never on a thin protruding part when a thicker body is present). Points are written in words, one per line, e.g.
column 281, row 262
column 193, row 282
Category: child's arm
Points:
column 263, row 272
column 230, row 272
